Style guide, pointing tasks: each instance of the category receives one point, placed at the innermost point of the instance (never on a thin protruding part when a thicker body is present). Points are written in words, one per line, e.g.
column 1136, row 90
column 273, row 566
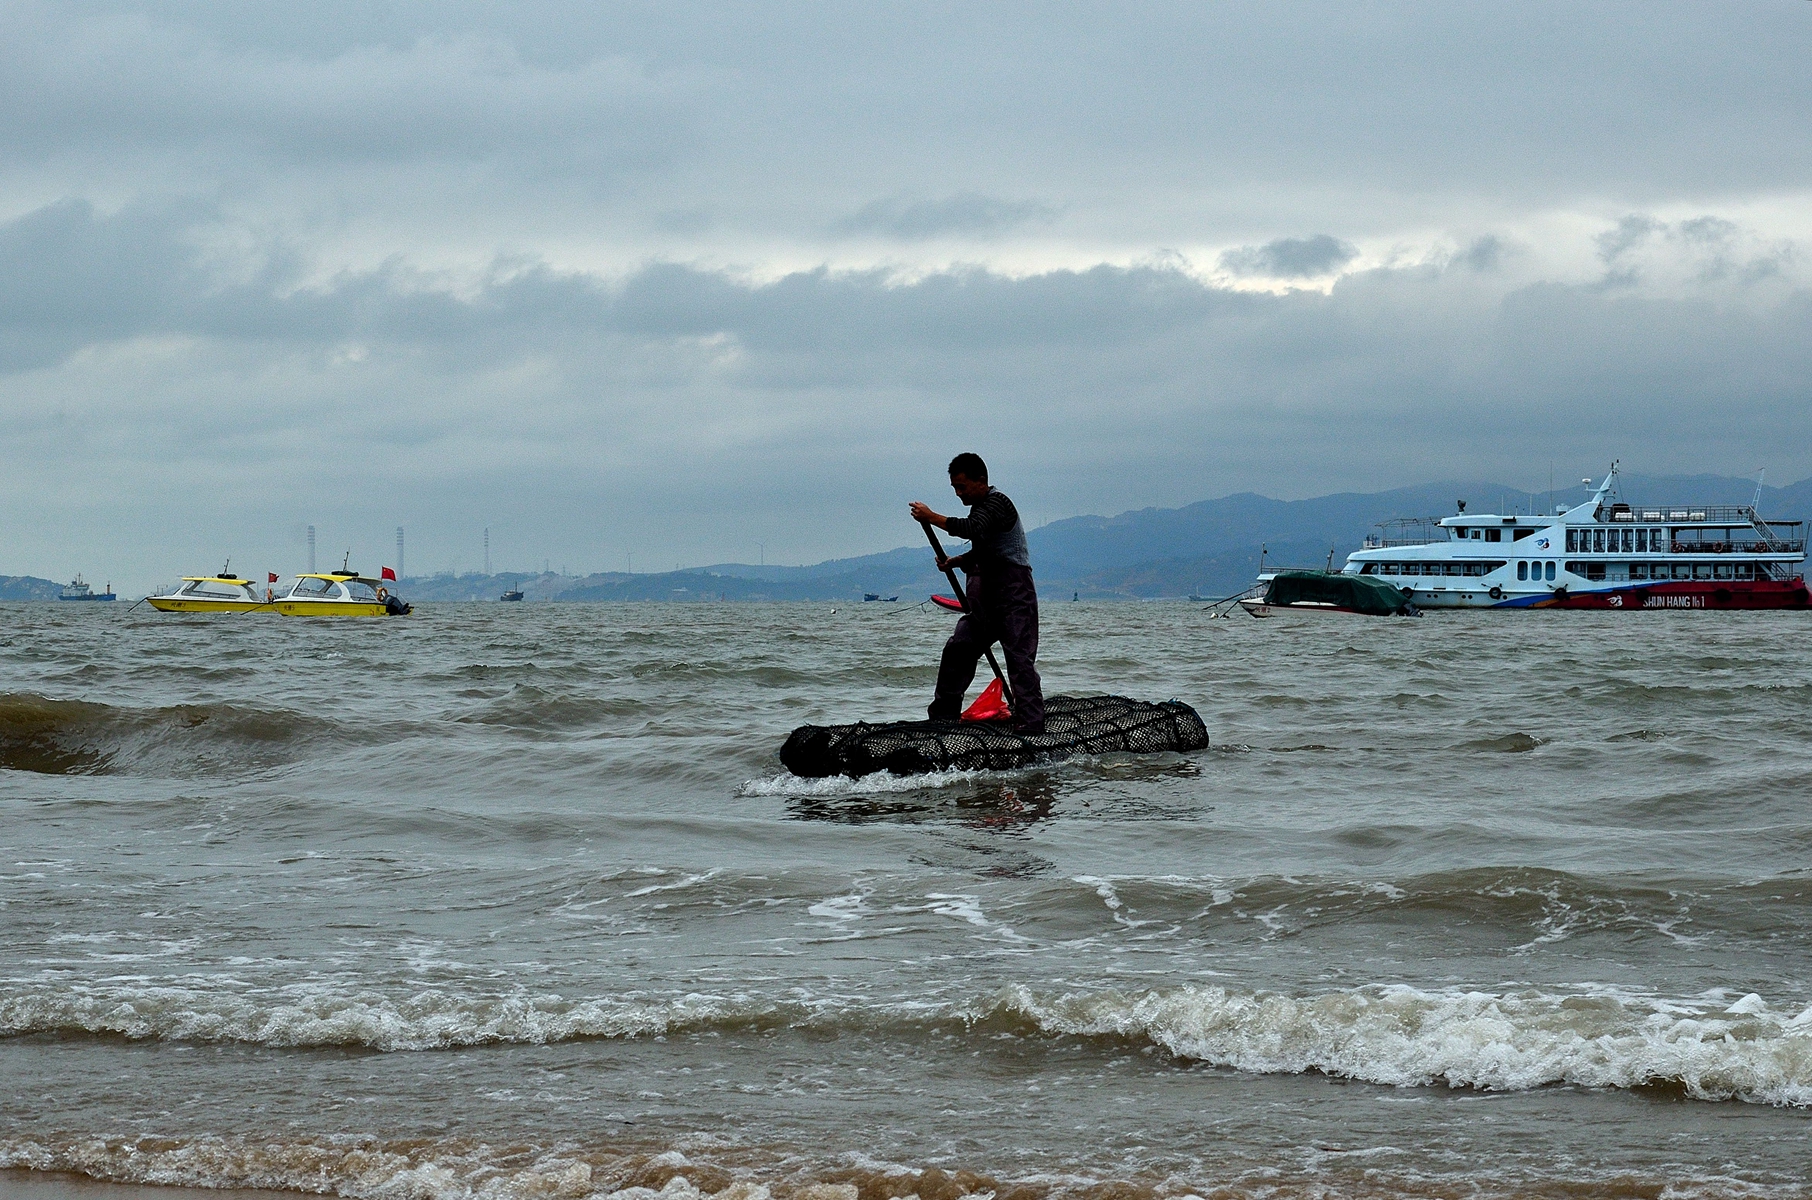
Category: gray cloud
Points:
column 556, row 405
column 554, row 267
column 967, row 213
column 1290, row 258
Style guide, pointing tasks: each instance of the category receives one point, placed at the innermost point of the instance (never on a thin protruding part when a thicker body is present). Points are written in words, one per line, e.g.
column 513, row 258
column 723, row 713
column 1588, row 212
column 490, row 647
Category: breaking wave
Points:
column 1510, row 1041
column 321, row 1016
column 1707, row 1047
column 80, row 737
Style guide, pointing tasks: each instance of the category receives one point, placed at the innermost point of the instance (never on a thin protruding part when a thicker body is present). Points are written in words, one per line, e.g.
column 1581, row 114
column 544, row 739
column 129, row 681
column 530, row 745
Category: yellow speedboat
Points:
column 224, row 592
column 341, row 594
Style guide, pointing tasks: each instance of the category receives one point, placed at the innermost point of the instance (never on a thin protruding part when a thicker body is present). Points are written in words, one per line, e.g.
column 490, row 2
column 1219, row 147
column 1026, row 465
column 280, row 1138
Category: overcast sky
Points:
column 706, row 283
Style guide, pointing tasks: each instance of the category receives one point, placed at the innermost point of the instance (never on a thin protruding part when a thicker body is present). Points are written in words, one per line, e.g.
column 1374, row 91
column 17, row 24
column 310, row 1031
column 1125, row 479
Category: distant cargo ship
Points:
column 77, row 590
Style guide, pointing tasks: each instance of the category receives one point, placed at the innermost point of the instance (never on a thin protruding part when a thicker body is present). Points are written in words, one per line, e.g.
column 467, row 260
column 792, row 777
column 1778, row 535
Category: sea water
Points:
column 516, row 901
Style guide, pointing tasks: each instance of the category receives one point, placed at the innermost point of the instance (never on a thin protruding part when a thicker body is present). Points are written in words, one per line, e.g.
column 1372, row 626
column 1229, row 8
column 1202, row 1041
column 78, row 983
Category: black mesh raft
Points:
column 1072, row 725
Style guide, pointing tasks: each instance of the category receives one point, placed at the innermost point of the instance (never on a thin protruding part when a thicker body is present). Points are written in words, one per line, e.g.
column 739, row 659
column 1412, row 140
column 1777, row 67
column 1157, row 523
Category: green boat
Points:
column 1298, row 593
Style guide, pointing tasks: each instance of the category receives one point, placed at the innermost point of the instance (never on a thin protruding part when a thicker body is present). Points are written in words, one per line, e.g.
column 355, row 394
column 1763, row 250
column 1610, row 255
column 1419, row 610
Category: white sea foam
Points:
column 1510, row 1041
column 322, row 1015
column 834, row 786
column 364, row 1169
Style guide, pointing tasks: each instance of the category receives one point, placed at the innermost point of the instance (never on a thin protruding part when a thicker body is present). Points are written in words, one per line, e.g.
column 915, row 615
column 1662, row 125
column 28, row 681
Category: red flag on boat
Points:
column 991, row 705
column 387, row 573
column 273, row 577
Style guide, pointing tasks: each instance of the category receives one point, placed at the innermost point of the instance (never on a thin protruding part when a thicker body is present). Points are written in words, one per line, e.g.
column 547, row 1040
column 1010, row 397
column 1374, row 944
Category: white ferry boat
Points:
column 1600, row 554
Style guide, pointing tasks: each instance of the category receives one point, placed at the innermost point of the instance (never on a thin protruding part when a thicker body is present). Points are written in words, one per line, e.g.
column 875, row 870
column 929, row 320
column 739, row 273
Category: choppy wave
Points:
column 80, row 737
column 1709, row 1048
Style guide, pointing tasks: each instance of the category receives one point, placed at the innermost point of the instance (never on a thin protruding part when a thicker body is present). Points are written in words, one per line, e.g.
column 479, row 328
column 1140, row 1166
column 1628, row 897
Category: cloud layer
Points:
column 673, row 283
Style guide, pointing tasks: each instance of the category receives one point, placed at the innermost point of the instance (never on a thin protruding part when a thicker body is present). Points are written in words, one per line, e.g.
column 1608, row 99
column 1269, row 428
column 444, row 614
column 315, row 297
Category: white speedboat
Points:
column 1600, row 554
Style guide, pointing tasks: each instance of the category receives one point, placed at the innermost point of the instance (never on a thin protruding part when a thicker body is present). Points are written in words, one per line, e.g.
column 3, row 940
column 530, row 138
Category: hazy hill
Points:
column 27, row 587
column 1208, row 548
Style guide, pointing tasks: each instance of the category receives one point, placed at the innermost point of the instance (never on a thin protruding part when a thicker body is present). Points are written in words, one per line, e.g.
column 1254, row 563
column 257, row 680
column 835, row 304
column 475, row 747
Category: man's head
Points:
column 969, row 477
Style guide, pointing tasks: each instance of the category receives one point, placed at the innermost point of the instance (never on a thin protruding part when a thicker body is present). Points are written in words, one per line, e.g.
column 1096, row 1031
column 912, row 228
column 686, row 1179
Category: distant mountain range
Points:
column 1211, row 548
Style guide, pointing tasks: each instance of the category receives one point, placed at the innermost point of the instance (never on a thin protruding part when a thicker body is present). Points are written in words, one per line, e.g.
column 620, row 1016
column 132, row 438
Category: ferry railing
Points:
column 1407, row 531
column 1772, row 546
column 1648, row 514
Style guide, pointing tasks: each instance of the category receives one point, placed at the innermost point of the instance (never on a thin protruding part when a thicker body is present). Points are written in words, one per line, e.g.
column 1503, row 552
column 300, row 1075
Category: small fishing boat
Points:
column 225, row 592
column 77, row 590
column 341, row 593
column 1314, row 593
column 873, row 596
column 511, row 596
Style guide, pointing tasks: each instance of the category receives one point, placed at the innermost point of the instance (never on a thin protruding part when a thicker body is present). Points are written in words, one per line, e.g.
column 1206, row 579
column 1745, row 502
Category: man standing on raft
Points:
column 1003, row 604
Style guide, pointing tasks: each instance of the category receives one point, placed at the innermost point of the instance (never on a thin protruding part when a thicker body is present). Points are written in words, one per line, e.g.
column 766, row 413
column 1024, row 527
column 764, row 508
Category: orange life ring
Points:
column 382, row 594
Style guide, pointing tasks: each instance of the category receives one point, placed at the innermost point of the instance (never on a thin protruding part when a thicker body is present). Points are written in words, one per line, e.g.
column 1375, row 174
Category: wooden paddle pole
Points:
column 962, row 598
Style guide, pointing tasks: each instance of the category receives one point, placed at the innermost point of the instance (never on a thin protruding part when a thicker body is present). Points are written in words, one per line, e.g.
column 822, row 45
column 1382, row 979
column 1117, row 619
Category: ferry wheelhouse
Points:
column 1600, row 554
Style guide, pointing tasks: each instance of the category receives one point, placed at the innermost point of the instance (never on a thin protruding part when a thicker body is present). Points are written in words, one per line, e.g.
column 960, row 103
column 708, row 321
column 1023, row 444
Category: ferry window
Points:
column 1367, row 569
column 1517, row 535
column 1522, row 570
column 1642, row 541
column 1598, row 541
column 1550, row 572
column 1453, row 569
column 1638, row 570
column 1572, row 542
column 1629, row 540
column 1743, row 571
column 1721, row 571
column 1494, row 535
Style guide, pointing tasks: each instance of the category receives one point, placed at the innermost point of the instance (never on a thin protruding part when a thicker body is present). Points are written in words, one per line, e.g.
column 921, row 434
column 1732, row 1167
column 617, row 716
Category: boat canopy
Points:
column 1361, row 593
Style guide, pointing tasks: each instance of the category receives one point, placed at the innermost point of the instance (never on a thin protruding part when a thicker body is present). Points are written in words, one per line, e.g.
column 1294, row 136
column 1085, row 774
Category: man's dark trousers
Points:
column 1003, row 607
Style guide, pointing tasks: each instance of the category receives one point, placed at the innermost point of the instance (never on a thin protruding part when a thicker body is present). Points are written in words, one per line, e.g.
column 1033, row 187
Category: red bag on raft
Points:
column 991, row 705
